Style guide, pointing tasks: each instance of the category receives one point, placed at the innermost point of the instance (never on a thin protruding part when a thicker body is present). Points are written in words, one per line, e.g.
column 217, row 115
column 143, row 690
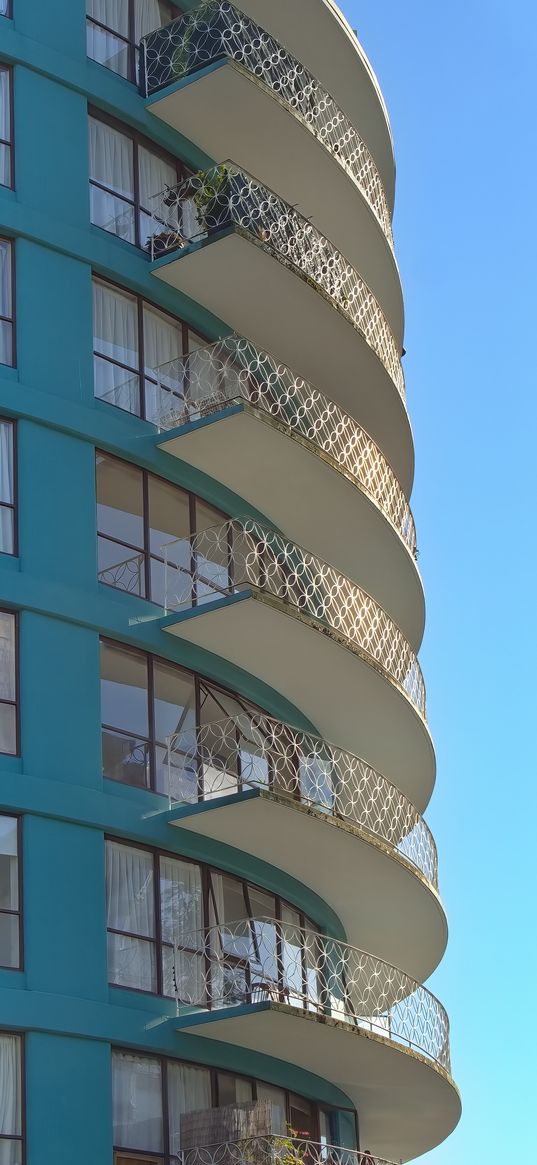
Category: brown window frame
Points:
column 150, row 742
column 16, row 702
column 16, row 913
column 12, row 506
column 138, row 140
column 9, row 143
column 133, row 46
column 214, row 1072
column 141, row 302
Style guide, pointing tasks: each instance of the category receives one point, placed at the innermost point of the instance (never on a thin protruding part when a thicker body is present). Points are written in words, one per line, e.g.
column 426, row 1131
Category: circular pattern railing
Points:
column 227, row 197
column 233, row 369
column 242, row 553
column 267, row 960
column 254, row 751
column 217, row 29
column 275, row 1149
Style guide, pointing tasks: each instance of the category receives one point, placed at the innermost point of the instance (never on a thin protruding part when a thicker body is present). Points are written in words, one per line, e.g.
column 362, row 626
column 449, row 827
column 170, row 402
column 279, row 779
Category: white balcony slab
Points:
column 318, row 35
column 406, row 1104
column 230, row 113
column 238, row 279
column 345, row 695
column 266, row 464
column 384, row 903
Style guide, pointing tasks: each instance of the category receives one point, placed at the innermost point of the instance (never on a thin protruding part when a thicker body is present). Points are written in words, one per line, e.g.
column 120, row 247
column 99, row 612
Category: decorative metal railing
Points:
column 226, row 196
column 254, row 751
column 267, row 960
column 233, row 369
column 276, row 1149
column 216, row 30
column 128, row 575
column 243, row 554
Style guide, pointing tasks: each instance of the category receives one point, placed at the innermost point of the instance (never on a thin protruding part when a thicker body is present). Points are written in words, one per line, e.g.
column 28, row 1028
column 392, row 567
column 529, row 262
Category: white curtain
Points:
column 130, row 907
column 155, row 175
column 10, row 1091
column 112, row 13
column 115, row 334
column 6, row 487
column 6, row 307
column 137, row 1102
column 182, row 922
column 112, row 165
column 163, row 347
column 103, row 46
column 150, row 14
column 7, row 656
column 189, row 1090
column 5, row 129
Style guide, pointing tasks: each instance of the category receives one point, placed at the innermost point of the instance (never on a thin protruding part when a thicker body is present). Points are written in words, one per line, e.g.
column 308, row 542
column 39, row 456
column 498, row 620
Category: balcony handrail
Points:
column 253, row 750
column 290, row 1148
column 215, row 376
column 227, row 197
column 262, row 959
column 217, row 30
column 243, row 553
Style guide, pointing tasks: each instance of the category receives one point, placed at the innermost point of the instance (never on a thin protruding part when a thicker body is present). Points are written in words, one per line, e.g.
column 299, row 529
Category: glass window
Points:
column 114, row 29
column 125, row 174
column 278, row 1100
column 189, row 1090
column 5, row 7
column 8, row 683
column 233, row 1089
column 11, row 1147
column 137, row 1102
column 131, row 918
column 130, row 335
column 6, row 127
column 9, row 893
column 7, row 347
column 125, row 715
column 7, row 488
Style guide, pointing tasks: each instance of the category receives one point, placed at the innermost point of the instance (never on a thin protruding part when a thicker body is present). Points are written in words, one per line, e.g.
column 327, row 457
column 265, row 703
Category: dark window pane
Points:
column 9, row 878
column 120, row 500
column 124, row 700
column 7, row 656
column 120, row 567
column 125, row 759
column 9, row 947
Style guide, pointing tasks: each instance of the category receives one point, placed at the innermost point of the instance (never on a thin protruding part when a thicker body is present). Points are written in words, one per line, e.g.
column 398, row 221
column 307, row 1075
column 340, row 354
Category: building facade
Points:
column 219, row 896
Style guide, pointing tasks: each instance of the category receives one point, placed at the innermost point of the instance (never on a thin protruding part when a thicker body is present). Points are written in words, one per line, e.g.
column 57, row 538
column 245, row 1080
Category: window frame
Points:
column 13, row 319
column 132, row 45
column 16, row 702
column 5, row 68
column 141, row 303
column 8, row 14
column 139, row 140
column 16, row 913
column 144, row 1155
column 19, row 1137
column 14, row 505
column 150, row 742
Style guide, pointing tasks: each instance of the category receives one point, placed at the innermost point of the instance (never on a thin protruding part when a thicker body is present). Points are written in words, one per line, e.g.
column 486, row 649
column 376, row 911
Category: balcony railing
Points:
column 217, row 30
column 267, row 960
column 233, row 369
column 243, row 554
column 227, row 197
column 276, row 1150
column 253, row 751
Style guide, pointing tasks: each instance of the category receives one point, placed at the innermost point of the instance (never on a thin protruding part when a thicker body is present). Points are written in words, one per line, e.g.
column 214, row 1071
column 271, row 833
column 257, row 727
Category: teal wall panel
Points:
column 54, row 322
column 69, row 1118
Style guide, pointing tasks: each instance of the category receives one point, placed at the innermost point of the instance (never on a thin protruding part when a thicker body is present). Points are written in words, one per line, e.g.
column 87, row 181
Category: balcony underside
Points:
column 253, row 455
column 230, row 113
column 241, row 281
column 316, row 32
column 346, row 697
column 407, row 1106
column 384, row 903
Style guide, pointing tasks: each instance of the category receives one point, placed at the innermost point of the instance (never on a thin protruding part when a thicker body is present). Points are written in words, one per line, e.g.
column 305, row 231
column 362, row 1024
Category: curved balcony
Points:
column 381, row 1037
column 286, row 796
column 277, row 611
column 317, row 32
column 217, row 76
column 239, row 415
column 223, row 221
column 276, row 1149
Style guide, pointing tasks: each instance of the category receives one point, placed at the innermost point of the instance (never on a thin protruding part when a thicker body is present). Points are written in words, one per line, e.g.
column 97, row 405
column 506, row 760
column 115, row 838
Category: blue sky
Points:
column 460, row 83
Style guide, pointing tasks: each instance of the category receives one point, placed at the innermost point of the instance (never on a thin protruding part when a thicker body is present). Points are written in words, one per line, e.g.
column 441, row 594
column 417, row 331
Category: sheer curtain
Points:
column 6, row 306
column 155, row 174
column 112, row 166
column 182, row 923
column 130, row 908
column 10, row 1098
column 137, row 1102
column 151, row 14
column 6, row 487
column 163, row 346
column 189, row 1090
column 5, row 128
column 115, row 335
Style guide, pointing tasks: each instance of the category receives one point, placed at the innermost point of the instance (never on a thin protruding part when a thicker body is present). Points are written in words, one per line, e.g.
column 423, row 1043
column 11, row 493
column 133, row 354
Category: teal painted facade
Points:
column 61, row 999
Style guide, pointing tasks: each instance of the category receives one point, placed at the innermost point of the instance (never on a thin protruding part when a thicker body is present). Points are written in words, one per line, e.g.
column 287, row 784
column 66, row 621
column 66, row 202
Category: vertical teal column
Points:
column 54, row 322
column 64, row 909
column 69, row 1119
column 51, row 123
column 58, row 24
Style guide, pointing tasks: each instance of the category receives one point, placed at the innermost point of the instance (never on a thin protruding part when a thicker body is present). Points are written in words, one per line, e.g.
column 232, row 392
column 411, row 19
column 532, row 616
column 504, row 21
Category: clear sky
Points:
column 460, row 82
